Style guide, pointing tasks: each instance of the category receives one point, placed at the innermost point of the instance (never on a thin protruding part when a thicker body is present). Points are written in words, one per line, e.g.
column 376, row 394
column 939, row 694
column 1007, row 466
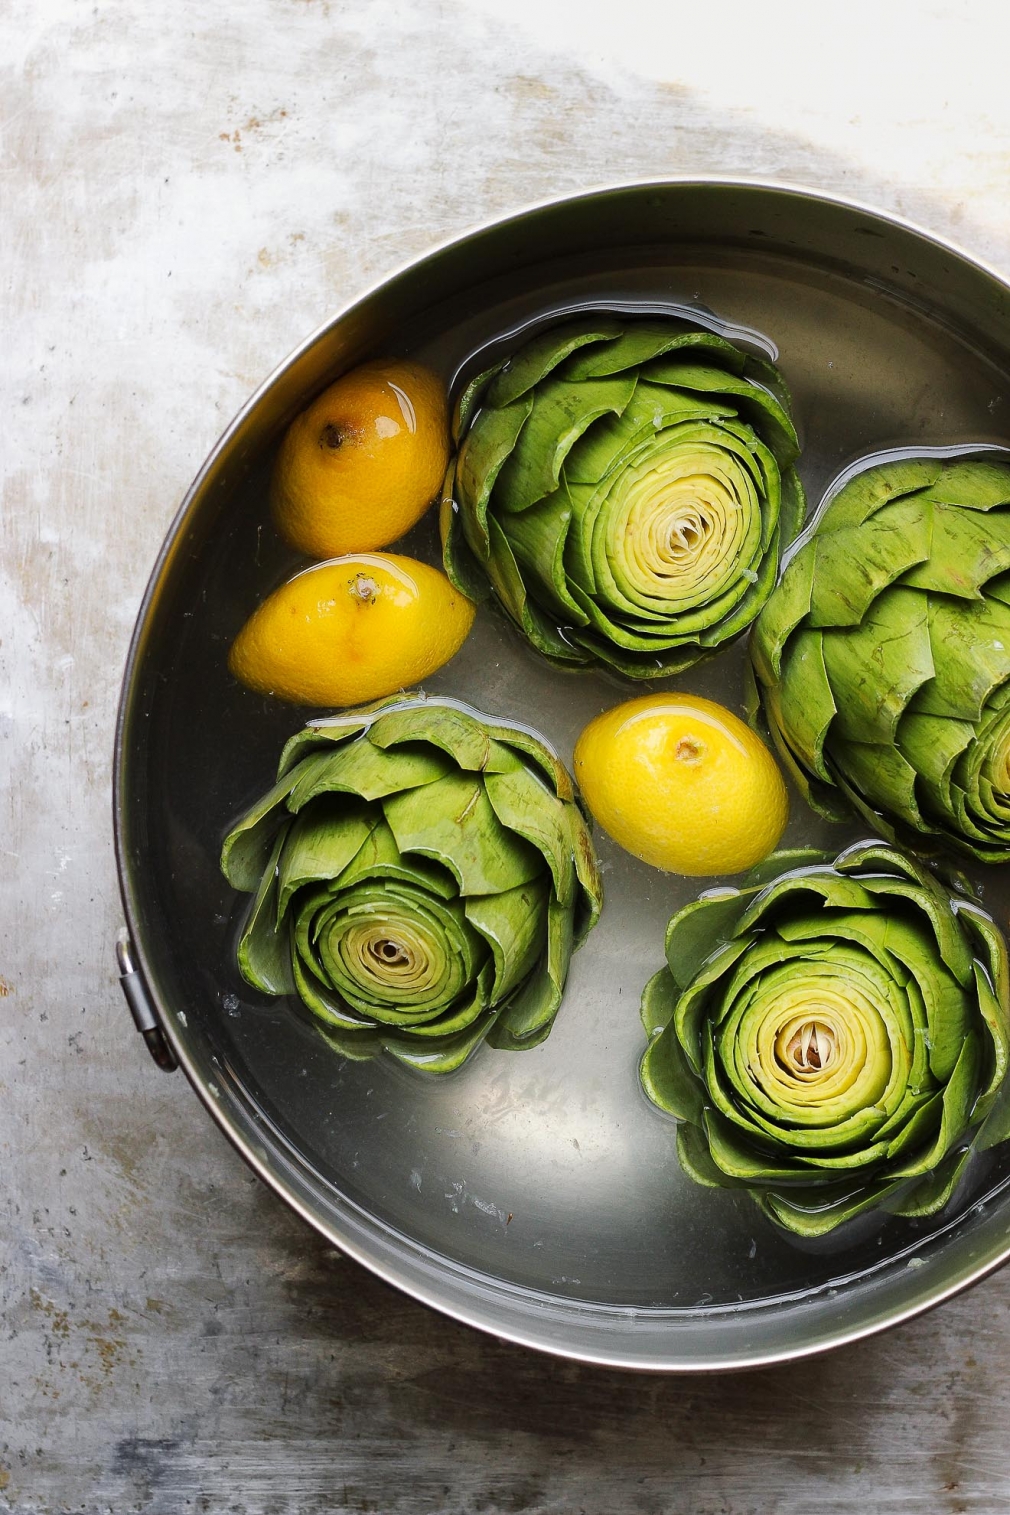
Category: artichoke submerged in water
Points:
column 422, row 876
column 830, row 1037
column 883, row 657
column 625, row 488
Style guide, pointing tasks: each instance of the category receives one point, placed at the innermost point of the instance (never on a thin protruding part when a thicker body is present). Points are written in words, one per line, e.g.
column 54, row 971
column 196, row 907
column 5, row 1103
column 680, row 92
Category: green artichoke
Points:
column 830, row 1035
column 625, row 488
column 422, row 876
column 883, row 657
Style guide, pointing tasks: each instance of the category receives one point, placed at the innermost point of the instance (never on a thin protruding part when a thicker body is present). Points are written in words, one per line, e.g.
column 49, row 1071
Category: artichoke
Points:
column 829, row 1035
column 883, row 657
column 422, row 875
column 625, row 488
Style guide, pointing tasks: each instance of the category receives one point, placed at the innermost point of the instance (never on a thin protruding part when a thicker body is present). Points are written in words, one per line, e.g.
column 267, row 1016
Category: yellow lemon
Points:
column 682, row 783
column 351, row 630
column 362, row 464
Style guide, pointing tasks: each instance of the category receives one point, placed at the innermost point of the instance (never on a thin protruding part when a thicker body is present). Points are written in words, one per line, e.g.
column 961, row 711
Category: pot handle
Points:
column 144, row 1018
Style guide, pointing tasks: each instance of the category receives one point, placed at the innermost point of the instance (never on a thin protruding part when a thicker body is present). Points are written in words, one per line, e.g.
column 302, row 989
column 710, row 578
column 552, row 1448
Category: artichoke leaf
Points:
column 880, row 664
column 264, row 952
column 793, row 504
column 589, row 879
column 647, row 340
column 689, row 1016
column 534, row 1006
column 464, row 739
column 853, row 564
column 483, row 453
column 695, row 932
column 453, row 822
column 513, row 923
column 957, row 1104
column 359, row 768
column 251, row 842
column 936, row 908
column 869, row 492
column 659, row 1001
column 882, row 776
column 522, row 802
column 319, row 735
column 695, row 1159
column 439, row 1055
column 813, row 1212
column 966, row 550
column 460, row 1016
column 738, row 1158
column 971, row 484
column 524, row 370
column 380, row 858
column 503, row 571
column 547, row 763
column 931, row 745
column 462, row 567
column 319, row 845
column 470, row 397
column 667, row 1076
column 931, row 1193
column 356, row 1046
column 971, row 657
column 756, row 404
column 750, row 602
column 785, row 860
column 561, row 413
column 328, row 1007
column 787, row 609
column 538, row 538
column 818, row 880
column 652, row 410
column 996, row 1047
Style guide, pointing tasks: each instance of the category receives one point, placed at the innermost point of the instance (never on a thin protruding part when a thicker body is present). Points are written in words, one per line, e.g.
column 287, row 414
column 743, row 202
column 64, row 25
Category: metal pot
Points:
column 536, row 1195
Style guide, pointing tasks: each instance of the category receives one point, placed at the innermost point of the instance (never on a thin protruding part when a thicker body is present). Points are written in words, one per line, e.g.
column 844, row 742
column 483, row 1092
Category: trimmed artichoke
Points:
column 625, row 488
column 883, row 657
column 422, row 876
column 829, row 1037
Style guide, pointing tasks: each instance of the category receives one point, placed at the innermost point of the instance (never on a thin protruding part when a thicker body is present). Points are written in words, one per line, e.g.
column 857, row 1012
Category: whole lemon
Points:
column 682, row 783
column 351, row 630
column 362, row 464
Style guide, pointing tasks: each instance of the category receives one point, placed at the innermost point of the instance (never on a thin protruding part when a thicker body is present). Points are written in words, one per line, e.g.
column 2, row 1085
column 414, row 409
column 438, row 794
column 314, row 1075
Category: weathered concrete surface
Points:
column 187, row 191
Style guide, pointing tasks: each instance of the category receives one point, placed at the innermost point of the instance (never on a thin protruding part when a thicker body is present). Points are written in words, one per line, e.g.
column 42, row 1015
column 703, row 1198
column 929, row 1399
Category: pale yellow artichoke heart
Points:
column 818, row 1045
column 684, row 529
column 391, row 954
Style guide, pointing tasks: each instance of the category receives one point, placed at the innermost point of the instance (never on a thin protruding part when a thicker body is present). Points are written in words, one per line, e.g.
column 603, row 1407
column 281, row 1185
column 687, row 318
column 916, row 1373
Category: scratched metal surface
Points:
column 186, row 192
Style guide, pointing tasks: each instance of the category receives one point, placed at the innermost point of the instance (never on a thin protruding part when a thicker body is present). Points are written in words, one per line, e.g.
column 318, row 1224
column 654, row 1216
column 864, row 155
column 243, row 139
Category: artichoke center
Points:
column 688, row 535
column 811, row 1049
column 389, row 953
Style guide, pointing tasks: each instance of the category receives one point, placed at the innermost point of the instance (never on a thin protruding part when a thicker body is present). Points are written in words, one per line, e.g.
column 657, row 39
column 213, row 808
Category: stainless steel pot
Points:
column 536, row 1195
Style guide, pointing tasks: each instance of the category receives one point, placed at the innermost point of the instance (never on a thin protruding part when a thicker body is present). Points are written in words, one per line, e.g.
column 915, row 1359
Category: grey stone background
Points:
column 187, row 190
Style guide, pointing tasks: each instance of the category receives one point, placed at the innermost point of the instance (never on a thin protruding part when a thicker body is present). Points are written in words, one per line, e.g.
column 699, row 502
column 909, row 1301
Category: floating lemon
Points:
column 682, row 783
column 362, row 464
column 351, row 630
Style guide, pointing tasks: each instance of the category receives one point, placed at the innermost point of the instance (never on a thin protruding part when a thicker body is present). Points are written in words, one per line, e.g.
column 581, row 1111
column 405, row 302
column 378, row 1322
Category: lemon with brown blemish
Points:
column 362, row 464
column 683, row 784
column 351, row 630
